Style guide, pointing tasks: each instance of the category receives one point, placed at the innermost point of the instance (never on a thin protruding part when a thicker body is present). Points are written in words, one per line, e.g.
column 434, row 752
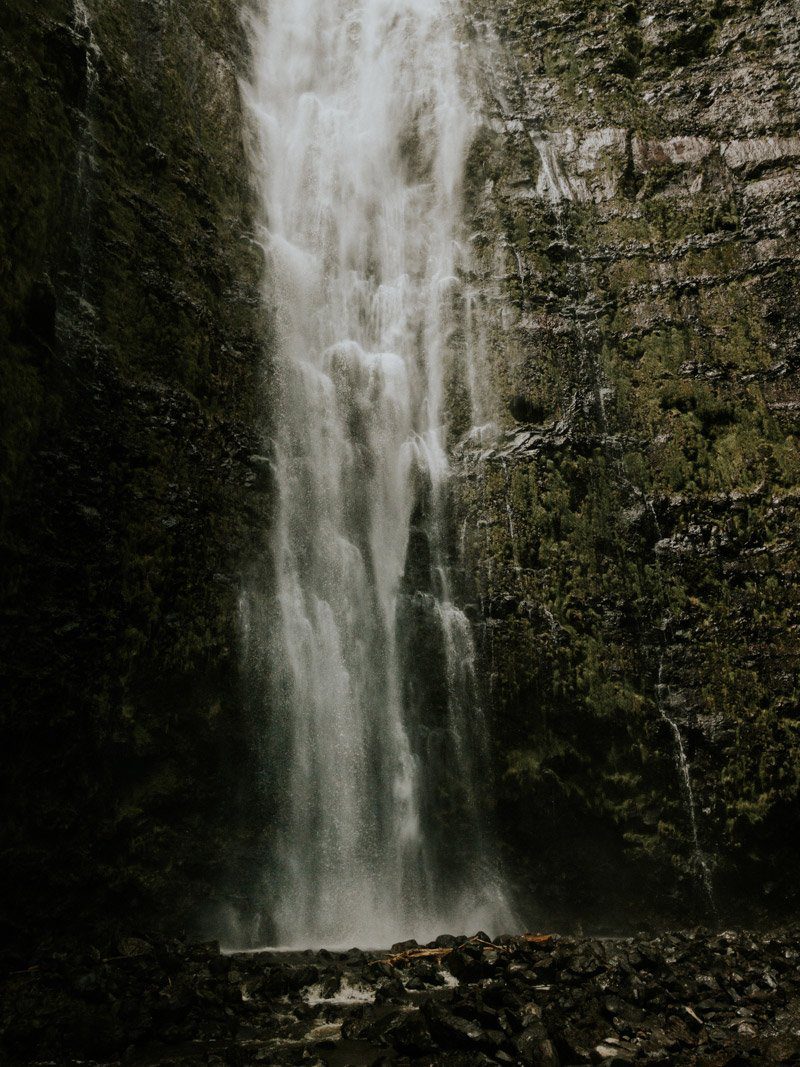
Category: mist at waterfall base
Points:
column 360, row 666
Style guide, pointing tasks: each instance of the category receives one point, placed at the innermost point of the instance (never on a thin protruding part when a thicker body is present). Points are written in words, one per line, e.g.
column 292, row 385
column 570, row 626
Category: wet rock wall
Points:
column 632, row 530
column 132, row 332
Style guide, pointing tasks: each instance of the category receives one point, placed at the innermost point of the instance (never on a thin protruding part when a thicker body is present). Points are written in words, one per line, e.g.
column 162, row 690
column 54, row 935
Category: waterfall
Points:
column 374, row 741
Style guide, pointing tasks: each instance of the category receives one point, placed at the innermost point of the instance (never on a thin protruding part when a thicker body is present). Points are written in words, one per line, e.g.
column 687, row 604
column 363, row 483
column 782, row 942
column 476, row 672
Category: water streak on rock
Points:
column 663, row 699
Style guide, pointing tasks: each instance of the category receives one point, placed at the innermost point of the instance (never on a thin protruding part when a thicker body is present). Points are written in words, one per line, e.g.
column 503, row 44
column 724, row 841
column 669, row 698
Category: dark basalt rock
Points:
column 411, row 1035
column 453, row 1031
column 692, row 999
column 466, row 963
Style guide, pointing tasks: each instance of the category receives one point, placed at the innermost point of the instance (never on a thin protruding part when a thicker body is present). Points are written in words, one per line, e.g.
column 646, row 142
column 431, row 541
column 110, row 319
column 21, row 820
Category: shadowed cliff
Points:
column 131, row 331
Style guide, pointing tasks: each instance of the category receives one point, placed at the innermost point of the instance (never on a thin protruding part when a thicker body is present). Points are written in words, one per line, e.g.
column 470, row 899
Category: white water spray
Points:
column 362, row 131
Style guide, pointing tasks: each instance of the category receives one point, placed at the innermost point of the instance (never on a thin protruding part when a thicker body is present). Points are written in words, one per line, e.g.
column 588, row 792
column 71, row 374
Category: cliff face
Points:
column 630, row 536
column 131, row 330
column 633, row 530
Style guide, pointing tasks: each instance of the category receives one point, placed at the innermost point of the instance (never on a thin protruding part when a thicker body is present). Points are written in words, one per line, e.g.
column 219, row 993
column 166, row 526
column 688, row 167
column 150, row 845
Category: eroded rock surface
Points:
column 628, row 526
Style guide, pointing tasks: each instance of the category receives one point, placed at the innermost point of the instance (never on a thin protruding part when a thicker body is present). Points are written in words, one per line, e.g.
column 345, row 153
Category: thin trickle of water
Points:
column 361, row 133
column 553, row 184
column 84, row 199
column 662, row 700
column 512, row 533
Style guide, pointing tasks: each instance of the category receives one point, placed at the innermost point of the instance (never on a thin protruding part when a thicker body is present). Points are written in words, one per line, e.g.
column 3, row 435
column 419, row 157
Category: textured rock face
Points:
column 131, row 332
column 629, row 534
column 632, row 531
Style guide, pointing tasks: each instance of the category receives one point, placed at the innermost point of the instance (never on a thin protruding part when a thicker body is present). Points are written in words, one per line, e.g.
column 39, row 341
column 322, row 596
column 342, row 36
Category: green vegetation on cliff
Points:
column 633, row 532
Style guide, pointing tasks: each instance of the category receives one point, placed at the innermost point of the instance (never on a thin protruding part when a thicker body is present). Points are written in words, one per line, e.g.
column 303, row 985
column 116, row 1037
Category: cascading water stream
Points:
column 362, row 132
column 663, row 700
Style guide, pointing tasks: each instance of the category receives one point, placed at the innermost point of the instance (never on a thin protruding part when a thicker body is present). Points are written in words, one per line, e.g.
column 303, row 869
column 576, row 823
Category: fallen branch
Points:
column 440, row 953
column 416, row 954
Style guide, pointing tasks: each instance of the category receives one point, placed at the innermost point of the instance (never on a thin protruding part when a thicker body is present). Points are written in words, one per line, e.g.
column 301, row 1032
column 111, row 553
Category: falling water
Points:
column 663, row 700
column 362, row 130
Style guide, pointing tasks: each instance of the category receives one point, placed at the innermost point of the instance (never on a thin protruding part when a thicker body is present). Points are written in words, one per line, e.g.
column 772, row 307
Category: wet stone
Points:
column 638, row 1001
column 410, row 1034
column 452, row 1031
column 404, row 946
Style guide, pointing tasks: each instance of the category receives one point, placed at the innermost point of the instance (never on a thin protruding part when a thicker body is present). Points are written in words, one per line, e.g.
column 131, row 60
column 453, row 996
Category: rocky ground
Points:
column 716, row 999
